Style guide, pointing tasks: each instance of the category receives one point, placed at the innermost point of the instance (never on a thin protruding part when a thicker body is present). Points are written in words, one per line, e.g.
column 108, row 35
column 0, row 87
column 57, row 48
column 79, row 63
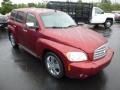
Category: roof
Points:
column 35, row 10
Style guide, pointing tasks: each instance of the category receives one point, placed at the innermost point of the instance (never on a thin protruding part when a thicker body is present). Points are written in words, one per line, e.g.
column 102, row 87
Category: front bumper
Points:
column 85, row 69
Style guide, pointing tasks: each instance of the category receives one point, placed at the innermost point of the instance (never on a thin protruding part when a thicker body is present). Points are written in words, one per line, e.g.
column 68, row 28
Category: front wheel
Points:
column 54, row 65
column 108, row 24
column 12, row 40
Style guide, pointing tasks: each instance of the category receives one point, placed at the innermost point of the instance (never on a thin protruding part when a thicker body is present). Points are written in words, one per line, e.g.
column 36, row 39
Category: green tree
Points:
column 41, row 5
column 105, row 1
column 7, row 6
column 79, row 1
column 22, row 5
column 107, row 7
column 32, row 5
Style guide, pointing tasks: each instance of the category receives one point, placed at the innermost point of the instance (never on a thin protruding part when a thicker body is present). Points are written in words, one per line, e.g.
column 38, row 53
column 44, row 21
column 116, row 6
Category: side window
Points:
column 13, row 14
column 32, row 19
column 98, row 11
column 20, row 17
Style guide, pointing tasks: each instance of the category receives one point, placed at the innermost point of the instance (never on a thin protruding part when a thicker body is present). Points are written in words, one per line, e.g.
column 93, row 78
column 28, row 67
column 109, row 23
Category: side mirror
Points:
column 31, row 25
column 102, row 12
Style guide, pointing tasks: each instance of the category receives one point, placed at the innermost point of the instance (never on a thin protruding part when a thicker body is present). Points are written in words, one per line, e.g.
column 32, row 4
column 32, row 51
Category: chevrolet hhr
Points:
column 53, row 36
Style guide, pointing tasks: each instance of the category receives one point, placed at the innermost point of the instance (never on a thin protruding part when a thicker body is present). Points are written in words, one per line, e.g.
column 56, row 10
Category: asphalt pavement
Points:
column 21, row 71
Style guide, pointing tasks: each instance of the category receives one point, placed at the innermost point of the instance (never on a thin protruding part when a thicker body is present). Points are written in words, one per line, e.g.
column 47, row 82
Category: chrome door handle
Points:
column 24, row 30
column 14, row 26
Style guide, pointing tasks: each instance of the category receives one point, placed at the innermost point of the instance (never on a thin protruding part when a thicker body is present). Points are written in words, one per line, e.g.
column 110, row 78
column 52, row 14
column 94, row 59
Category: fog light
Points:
column 81, row 75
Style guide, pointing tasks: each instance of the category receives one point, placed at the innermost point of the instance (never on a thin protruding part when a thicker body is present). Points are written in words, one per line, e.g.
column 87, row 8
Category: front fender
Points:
column 43, row 44
column 57, row 48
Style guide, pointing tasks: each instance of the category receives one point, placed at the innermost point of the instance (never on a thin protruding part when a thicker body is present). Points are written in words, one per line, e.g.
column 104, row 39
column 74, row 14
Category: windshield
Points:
column 57, row 20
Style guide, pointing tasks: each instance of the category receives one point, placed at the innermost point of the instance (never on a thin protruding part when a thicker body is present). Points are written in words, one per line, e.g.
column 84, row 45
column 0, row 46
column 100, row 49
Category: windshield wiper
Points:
column 55, row 27
column 63, row 27
column 72, row 26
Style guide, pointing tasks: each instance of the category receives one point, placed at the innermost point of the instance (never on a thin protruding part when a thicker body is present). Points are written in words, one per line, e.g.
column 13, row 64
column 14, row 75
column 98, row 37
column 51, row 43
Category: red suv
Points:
column 53, row 36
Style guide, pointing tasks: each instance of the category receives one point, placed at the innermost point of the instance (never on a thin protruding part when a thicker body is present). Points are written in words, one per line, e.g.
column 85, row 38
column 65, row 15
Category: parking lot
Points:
column 21, row 71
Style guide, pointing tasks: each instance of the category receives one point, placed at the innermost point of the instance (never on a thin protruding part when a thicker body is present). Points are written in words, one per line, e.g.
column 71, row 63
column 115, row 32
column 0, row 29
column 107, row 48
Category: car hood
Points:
column 78, row 37
column 110, row 15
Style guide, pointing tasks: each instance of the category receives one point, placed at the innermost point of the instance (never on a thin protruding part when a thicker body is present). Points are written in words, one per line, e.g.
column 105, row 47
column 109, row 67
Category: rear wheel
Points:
column 12, row 40
column 108, row 24
column 54, row 65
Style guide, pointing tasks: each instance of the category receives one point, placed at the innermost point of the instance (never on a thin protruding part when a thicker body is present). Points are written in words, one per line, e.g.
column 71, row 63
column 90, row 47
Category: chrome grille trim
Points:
column 100, row 52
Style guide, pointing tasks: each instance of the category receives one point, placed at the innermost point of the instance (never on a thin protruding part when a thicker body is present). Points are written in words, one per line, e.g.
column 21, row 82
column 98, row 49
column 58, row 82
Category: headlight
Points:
column 76, row 56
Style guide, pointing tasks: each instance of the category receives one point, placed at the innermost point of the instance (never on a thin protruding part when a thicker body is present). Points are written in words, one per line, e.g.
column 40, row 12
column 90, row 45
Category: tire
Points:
column 96, row 26
column 12, row 40
column 108, row 24
column 54, row 65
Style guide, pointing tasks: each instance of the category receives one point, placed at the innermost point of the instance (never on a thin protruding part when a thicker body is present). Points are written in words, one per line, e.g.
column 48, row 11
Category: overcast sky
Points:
column 36, row 1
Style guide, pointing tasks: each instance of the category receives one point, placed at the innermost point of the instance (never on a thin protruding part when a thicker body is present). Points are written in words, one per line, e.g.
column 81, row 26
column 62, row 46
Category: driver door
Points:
column 98, row 16
column 31, row 33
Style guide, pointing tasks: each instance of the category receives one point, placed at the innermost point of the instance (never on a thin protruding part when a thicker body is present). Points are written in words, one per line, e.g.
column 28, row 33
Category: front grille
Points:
column 100, row 52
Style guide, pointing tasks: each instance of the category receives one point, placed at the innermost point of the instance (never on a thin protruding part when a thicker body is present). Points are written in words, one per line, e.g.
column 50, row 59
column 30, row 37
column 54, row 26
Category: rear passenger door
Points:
column 19, row 25
column 11, row 21
column 98, row 15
